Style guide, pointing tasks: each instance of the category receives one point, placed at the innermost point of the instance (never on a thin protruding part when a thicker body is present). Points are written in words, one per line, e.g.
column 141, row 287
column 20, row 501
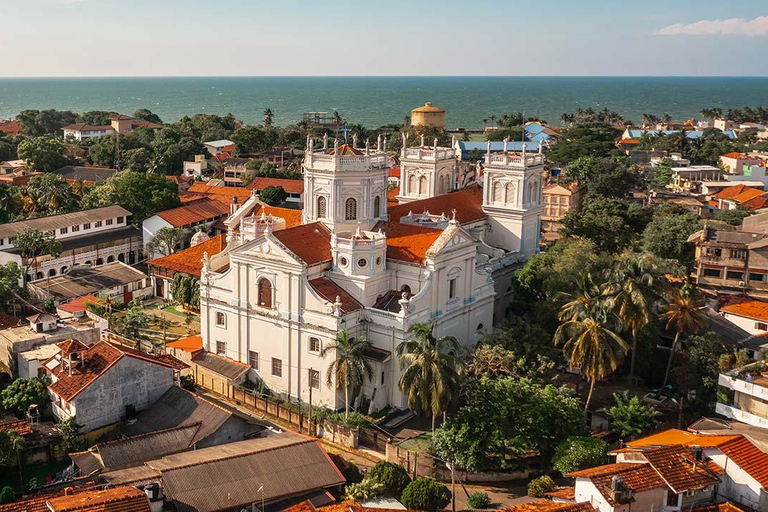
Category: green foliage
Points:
column 143, row 114
column 188, row 382
column 22, row 393
column 352, row 473
column 667, row 234
column 180, row 142
column 611, row 223
column 44, row 195
column 7, row 494
column 96, row 117
column 577, row 141
column 132, row 151
column 10, row 275
column 186, row 290
column 32, row 243
column 254, row 139
column 141, row 194
column 662, row 174
column 732, row 217
column 577, row 453
column 70, row 434
column 610, row 177
column 540, row 486
column 362, row 491
column 699, row 376
column 350, row 367
column 389, row 478
column 504, row 421
column 425, row 494
column 273, row 196
column 478, row 500
column 43, row 153
column 631, row 418
column 35, row 123
column 135, row 319
column 165, row 241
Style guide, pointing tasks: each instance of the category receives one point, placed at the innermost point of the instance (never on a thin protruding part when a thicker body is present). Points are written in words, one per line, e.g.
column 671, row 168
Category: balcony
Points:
column 325, row 162
column 736, row 414
column 748, row 380
column 428, row 154
column 515, row 160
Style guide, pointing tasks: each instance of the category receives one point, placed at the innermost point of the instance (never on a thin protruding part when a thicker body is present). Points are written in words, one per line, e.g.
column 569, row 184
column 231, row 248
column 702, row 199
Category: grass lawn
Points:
column 172, row 310
column 10, row 475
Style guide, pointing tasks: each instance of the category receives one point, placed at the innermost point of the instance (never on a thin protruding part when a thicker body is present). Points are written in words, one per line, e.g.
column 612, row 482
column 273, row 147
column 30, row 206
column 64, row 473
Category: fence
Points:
column 374, row 439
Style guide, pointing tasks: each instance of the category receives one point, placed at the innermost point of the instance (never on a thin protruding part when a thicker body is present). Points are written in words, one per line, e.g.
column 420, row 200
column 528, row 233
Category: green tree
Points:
column 43, row 153
column 684, row 311
column 10, row 277
column 70, row 434
column 143, row 114
column 135, row 319
column 588, row 341
column 662, row 174
column 578, row 141
column 96, row 117
column 186, row 291
column 36, row 123
column 732, row 217
column 577, row 453
column 666, row 236
column 268, row 117
column 273, row 196
column 22, row 393
column 7, row 494
column 425, row 494
column 141, row 194
column 18, row 445
column 611, row 223
column 430, row 371
column 529, row 345
column 32, row 243
column 630, row 418
column 698, row 378
column 350, row 367
column 392, row 478
column 610, row 177
column 478, row 500
column 538, row 487
column 165, row 241
column 504, row 421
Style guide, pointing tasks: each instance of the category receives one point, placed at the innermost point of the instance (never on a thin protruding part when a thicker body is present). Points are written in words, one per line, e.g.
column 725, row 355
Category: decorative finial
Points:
column 541, row 147
column 506, row 143
column 335, row 145
column 325, row 141
column 422, row 140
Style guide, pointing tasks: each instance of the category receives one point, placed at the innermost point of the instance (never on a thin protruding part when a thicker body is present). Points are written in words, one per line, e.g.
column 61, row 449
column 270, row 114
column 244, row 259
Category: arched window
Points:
column 99, row 261
column 376, row 206
column 351, row 209
column 131, row 257
column 221, row 319
column 412, row 184
column 52, row 272
column 121, row 257
column 322, row 208
column 265, row 293
column 110, row 259
column 407, row 289
column 511, row 193
column 498, row 192
column 39, row 275
column 422, row 185
column 64, row 269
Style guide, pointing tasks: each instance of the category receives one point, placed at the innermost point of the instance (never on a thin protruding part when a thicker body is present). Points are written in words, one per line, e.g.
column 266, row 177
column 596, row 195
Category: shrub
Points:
column 353, row 474
column 7, row 494
column 24, row 392
column 362, row 491
column 392, row 477
column 478, row 500
column 539, row 486
column 188, row 382
column 577, row 453
column 425, row 494
column 630, row 417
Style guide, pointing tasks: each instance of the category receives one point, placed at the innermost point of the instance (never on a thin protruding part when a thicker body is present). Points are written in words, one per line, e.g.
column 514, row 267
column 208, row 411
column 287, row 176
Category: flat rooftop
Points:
column 23, row 333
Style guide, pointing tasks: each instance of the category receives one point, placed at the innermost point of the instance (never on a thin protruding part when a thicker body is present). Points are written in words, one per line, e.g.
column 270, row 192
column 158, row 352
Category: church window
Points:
column 378, row 261
column 362, row 262
column 412, row 184
column 314, row 379
column 221, row 319
column 511, row 193
column 277, row 367
column 265, row 293
column 422, row 185
column 322, row 208
column 376, row 206
column 351, row 209
column 314, row 344
column 498, row 192
column 221, row 348
column 452, row 288
column 343, row 261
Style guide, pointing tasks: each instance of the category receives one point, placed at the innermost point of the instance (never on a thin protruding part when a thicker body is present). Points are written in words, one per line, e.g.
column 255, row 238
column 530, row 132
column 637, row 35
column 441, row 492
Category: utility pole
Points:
column 309, row 423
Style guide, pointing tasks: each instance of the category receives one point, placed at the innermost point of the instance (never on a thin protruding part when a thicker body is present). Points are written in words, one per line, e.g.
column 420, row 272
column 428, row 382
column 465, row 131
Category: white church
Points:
column 275, row 296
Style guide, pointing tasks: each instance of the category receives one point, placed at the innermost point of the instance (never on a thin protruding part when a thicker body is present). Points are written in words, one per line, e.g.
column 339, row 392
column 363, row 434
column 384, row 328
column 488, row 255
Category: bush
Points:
column 478, row 500
column 188, row 382
column 577, row 453
column 7, row 494
column 24, row 392
column 630, row 417
column 353, row 474
column 392, row 477
column 539, row 486
column 425, row 494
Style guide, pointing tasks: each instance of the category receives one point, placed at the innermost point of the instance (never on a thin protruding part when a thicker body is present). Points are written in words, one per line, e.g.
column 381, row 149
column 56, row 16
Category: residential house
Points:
column 87, row 174
column 217, row 147
column 688, row 179
column 548, row 506
column 119, row 123
column 87, row 498
column 734, row 162
column 103, row 383
column 558, row 200
column 743, row 394
column 118, row 281
column 88, row 237
column 690, row 203
column 635, row 133
column 196, row 168
column 276, row 471
column 740, row 197
column 234, row 170
column 187, row 261
column 677, row 158
column 279, row 157
column 11, row 128
column 750, row 315
column 707, row 189
column 193, row 216
column 724, row 124
column 185, row 349
column 293, row 188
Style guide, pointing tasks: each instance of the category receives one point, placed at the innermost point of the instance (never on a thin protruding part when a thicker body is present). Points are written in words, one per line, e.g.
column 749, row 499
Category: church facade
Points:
column 276, row 297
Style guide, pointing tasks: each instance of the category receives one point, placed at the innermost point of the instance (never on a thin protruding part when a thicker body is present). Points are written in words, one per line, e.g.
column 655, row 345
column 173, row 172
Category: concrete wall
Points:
column 11, row 347
column 234, row 429
column 129, row 382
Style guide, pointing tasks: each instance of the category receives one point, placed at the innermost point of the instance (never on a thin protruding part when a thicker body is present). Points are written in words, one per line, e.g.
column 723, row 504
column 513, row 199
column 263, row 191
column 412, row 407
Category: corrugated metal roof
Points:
column 64, row 220
column 224, row 366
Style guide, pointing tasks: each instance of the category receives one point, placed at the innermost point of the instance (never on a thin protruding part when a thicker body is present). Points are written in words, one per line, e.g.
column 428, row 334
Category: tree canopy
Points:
column 141, row 194
column 44, row 153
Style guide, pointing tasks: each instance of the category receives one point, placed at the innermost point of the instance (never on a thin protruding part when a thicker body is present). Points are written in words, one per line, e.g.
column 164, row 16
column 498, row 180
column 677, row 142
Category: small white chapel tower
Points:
column 425, row 171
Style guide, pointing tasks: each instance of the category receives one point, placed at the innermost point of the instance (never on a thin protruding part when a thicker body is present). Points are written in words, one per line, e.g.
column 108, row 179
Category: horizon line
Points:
column 32, row 77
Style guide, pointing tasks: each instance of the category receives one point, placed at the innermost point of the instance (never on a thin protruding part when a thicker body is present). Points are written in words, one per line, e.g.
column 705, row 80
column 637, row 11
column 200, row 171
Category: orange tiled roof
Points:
column 753, row 309
column 756, row 204
column 195, row 213
column 329, row 290
column 190, row 260
column 631, row 142
column 188, row 344
column 78, row 304
column 731, row 192
column 138, row 123
column 350, row 506
column 71, row 346
column 637, row 477
column 392, row 197
column 38, row 502
column 734, row 154
column 292, row 217
column 467, row 202
column 549, row 506
column 116, row 499
column 346, row 150
column 223, row 194
column 406, row 242
column 748, row 457
column 22, row 427
column 748, row 194
column 719, row 507
column 11, row 128
column 566, row 493
column 290, row 186
column 675, row 465
column 85, row 127
column 310, row 242
column 681, row 437
column 7, row 321
column 394, row 172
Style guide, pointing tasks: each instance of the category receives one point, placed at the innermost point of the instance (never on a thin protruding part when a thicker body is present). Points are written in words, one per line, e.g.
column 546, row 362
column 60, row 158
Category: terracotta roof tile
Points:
column 188, row 344
column 394, row 172
column 753, row 309
column 310, row 242
column 78, row 304
column 117, row 499
column 731, row 192
column 631, row 142
column 406, row 242
column 467, row 202
column 637, row 477
column 346, row 150
column 748, row 457
column 38, row 502
column 329, row 290
column 681, row 437
column 85, row 127
column 734, row 154
column 566, row 493
column 290, row 186
column 11, row 128
column 138, row 123
column 71, row 346
column 194, row 213
column 223, row 194
column 190, row 260
column 748, row 194
column 7, row 321
column 676, row 465
column 549, row 506
column 719, row 507
column 22, row 427
column 292, row 217
column 392, row 197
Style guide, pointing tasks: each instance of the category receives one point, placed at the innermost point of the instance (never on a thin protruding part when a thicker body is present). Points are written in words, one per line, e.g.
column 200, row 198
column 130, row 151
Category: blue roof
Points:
column 539, row 137
column 534, row 128
column 692, row 134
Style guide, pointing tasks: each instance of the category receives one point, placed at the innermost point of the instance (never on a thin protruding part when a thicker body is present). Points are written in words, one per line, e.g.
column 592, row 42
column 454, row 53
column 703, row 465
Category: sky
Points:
column 383, row 37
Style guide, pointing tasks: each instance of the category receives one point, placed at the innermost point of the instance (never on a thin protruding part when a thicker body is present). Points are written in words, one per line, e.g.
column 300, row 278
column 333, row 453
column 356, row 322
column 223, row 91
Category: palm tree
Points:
column 351, row 367
column 431, row 371
column 588, row 341
column 337, row 120
column 18, row 445
column 685, row 311
column 268, row 117
column 633, row 283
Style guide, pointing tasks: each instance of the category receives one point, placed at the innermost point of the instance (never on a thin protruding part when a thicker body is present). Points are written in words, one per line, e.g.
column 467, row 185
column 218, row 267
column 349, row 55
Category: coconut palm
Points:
column 18, row 445
column 268, row 117
column 633, row 284
column 684, row 311
column 431, row 371
column 589, row 342
column 351, row 367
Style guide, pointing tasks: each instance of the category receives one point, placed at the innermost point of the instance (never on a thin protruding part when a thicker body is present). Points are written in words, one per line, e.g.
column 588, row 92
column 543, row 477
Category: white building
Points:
column 119, row 123
column 274, row 298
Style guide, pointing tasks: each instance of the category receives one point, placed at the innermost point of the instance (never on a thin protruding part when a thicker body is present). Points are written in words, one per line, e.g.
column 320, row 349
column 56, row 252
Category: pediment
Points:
column 265, row 247
column 453, row 237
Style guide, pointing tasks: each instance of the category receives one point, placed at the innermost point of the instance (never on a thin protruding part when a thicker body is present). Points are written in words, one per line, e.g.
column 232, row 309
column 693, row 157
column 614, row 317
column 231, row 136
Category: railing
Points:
column 345, row 163
column 513, row 160
column 429, row 154
column 351, row 243
column 386, row 318
column 742, row 416
column 742, row 383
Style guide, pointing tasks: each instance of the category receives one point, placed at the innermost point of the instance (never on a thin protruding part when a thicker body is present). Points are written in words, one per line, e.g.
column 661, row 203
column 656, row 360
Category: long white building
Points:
column 274, row 298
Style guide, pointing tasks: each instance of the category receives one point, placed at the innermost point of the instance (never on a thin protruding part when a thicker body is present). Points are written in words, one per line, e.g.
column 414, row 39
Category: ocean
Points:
column 375, row 101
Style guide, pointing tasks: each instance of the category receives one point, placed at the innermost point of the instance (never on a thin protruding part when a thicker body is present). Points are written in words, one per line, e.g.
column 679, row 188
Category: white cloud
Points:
column 733, row 26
